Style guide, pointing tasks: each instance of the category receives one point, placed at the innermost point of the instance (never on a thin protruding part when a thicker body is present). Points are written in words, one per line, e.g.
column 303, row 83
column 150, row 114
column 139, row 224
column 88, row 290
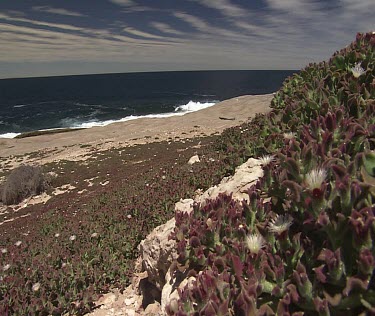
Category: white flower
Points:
column 209, row 222
column 94, row 235
column 315, row 178
column 72, row 238
column 57, row 235
column 289, row 135
column 128, row 216
column 36, row 287
column 18, row 243
column 357, row 70
column 6, row 267
column 265, row 160
column 280, row 224
column 4, row 251
column 255, row 242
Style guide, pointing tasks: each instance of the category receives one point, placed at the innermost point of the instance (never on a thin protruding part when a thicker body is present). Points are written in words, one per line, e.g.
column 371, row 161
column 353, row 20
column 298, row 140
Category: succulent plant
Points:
column 320, row 194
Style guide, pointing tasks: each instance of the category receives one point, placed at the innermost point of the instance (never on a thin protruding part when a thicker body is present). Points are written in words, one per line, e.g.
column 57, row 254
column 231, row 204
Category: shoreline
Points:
column 80, row 144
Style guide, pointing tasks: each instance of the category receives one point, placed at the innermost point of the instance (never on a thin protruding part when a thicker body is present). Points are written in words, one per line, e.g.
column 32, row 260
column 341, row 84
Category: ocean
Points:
column 30, row 104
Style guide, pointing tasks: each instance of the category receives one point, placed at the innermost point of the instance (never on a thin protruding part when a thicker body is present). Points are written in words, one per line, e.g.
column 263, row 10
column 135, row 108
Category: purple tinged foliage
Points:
column 320, row 193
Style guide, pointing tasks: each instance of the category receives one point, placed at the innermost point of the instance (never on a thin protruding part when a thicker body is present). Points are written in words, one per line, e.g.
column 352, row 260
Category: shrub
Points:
column 308, row 248
column 22, row 182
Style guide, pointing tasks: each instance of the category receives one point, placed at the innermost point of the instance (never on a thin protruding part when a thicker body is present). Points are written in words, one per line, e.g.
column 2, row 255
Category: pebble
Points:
column 129, row 301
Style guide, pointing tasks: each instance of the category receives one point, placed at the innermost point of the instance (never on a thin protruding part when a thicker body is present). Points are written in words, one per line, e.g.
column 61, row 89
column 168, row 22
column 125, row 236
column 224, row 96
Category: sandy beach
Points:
column 78, row 145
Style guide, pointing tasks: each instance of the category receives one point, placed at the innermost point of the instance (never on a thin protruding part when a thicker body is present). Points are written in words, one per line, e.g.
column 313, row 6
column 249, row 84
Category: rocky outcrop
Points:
column 244, row 177
column 155, row 282
column 157, row 253
column 193, row 160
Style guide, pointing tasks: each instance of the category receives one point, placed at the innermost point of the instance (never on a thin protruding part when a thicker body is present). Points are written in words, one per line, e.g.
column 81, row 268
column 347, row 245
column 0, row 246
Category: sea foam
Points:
column 179, row 111
column 9, row 135
column 194, row 106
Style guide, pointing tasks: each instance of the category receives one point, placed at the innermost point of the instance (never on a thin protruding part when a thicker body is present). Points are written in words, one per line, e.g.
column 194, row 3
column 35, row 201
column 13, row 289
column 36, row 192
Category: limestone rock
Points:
column 155, row 283
column 158, row 252
column 153, row 309
column 185, row 205
column 193, row 160
column 244, row 177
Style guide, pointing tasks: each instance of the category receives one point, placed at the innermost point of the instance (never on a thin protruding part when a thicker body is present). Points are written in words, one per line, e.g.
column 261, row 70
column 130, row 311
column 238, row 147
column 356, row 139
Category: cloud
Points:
column 194, row 21
column 39, row 23
column 66, row 30
column 139, row 33
column 209, row 32
column 165, row 28
column 38, row 41
column 124, row 3
column 282, row 34
column 225, row 7
column 293, row 6
column 131, row 6
column 58, row 11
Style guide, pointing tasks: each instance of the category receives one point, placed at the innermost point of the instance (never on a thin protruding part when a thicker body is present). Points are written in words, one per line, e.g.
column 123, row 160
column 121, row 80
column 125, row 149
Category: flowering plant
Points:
column 304, row 244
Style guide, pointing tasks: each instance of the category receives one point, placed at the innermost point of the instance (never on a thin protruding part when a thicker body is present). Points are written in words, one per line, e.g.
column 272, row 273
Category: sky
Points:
column 66, row 37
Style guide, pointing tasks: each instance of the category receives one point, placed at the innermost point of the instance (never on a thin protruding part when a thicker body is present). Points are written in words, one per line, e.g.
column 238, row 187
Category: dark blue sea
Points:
column 30, row 104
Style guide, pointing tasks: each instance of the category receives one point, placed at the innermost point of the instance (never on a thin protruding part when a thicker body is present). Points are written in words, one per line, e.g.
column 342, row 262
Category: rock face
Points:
column 156, row 283
column 244, row 177
column 157, row 253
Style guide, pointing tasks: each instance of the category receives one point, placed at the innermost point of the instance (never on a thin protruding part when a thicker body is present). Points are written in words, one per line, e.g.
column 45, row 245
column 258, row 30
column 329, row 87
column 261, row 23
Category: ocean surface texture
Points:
column 96, row 100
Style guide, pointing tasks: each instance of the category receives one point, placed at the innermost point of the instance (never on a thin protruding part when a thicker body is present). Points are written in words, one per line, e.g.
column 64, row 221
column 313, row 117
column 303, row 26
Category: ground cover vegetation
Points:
column 62, row 255
column 304, row 244
column 264, row 257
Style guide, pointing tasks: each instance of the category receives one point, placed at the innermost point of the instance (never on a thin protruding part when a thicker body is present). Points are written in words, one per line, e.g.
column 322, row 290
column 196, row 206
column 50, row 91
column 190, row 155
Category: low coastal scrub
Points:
column 23, row 182
column 304, row 244
column 70, row 256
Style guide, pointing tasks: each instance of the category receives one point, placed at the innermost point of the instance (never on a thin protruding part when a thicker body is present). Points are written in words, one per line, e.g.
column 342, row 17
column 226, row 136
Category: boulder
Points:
column 193, row 160
column 244, row 177
column 157, row 253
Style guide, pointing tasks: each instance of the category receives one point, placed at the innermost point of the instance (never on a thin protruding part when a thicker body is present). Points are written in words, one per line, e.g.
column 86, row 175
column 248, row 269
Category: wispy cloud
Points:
column 193, row 21
column 38, row 40
column 165, row 28
column 205, row 30
column 301, row 7
column 125, row 3
column 187, row 34
column 226, row 7
column 58, row 11
column 138, row 33
column 130, row 6
column 39, row 23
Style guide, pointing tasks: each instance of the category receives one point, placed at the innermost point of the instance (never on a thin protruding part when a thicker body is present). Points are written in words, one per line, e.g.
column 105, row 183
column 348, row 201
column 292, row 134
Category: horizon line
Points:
column 140, row 72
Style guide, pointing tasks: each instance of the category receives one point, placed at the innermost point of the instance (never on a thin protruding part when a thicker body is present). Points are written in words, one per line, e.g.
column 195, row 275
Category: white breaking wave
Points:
column 179, row 111
column 194, row 106
column 9, row 135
